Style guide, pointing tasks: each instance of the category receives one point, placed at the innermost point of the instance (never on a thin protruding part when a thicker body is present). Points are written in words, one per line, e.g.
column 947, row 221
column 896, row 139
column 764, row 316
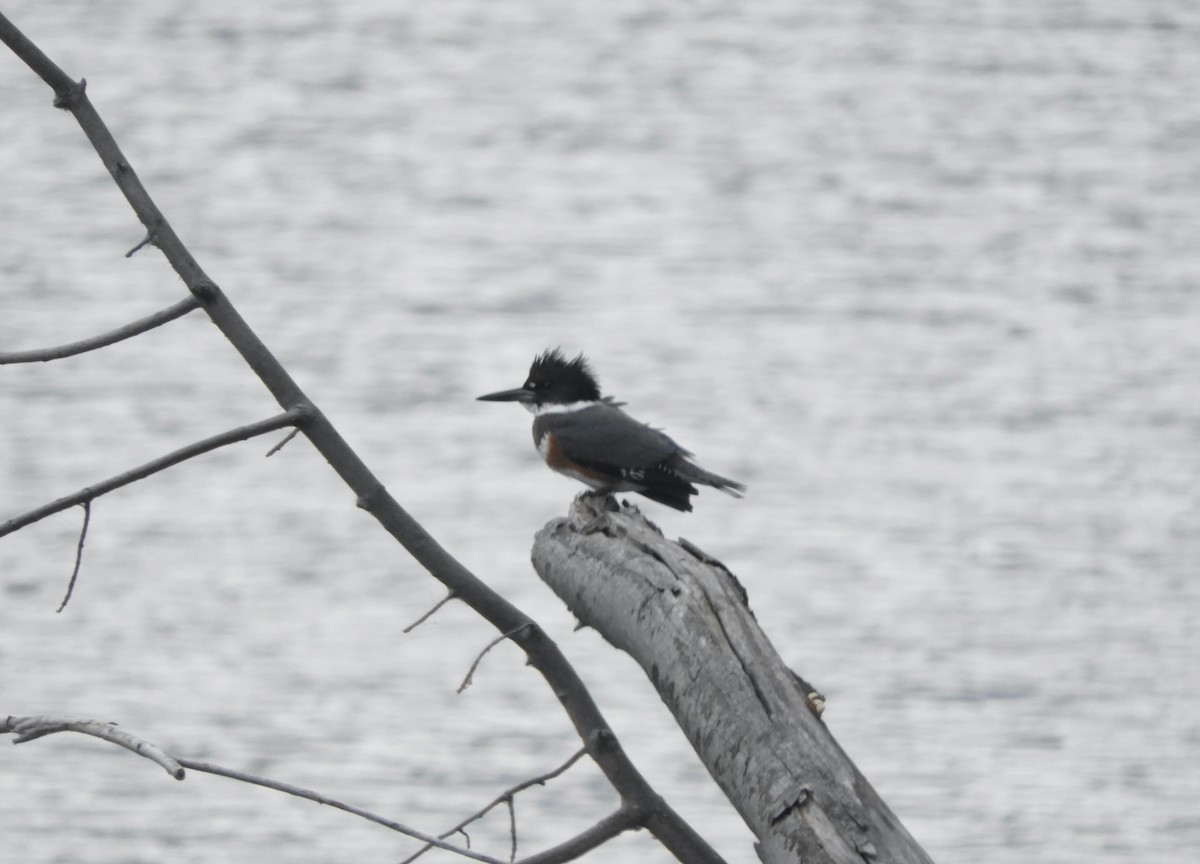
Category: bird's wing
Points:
column 604, row 435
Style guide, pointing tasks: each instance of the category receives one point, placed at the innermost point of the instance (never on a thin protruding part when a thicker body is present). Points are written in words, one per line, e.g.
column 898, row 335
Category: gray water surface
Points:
column 924, row 275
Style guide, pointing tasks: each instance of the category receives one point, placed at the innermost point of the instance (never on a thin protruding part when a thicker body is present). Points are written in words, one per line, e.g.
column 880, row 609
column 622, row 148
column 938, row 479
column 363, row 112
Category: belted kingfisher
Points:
column 586, row 436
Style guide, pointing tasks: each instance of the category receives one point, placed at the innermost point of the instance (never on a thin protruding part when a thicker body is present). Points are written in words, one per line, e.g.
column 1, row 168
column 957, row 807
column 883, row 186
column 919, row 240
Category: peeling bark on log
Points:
column 685, row 618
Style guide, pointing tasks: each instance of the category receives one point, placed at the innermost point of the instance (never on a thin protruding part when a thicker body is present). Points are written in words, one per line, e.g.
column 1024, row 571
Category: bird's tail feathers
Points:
column 693, row 473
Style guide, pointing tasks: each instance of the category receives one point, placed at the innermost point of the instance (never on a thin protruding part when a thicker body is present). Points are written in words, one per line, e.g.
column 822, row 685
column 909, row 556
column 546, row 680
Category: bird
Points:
column 588, row 437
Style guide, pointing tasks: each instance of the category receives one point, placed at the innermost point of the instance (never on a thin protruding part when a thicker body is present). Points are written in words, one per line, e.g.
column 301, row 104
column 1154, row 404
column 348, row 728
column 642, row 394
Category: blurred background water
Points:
column 923, row 274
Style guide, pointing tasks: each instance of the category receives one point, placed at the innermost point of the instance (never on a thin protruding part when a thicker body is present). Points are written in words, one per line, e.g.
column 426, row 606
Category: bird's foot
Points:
column 599, row 504
column 596, row 523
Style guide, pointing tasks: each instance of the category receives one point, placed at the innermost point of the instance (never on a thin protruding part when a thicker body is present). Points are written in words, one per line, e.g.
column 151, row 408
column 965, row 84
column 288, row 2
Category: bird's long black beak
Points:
column 520, row 394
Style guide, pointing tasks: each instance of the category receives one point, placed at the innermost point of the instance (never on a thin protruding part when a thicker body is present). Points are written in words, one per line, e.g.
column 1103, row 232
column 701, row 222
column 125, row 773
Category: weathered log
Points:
column 755, row 724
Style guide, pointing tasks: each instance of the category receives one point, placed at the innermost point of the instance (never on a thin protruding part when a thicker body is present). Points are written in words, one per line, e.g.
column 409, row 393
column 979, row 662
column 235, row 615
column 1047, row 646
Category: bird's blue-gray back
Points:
column 604, row 429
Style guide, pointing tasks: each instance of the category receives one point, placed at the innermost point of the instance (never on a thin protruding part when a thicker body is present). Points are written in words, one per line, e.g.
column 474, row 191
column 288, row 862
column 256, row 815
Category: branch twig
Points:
column 87, row 517
column 503, row 797
column 309, row 795
column 436, row 606
column 32, row 728
column 295, row 417
column 134, row 328
column 471, row 672
column 512, row 829
column 284, row 442
column 619, row 821
column 142, row 244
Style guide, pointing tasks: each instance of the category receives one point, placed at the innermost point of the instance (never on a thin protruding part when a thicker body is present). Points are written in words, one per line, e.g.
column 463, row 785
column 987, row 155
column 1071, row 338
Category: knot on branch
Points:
column 303, row 413
column 71, row 96
column 603, row 741
column 370, row 499
column 204, row 290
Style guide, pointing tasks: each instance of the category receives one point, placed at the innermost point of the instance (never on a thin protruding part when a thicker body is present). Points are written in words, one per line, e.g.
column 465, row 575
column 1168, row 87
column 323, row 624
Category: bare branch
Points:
column 503, row 797
column 283, row 443
column 87, row 517
column 539, row 780
column 134, row 328
column 31, row 728
column 750, row 719
column 542, row 653
column 606, row 829
column 59, row 81
column 471, row 672
column 337, row 805
column 512, row 829
column 295, row 417
column 436, row 606
column 142, row 244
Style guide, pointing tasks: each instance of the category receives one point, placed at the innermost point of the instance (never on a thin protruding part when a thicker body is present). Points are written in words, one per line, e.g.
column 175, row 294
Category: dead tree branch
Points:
column 31, row 728
column 309, row 795
column 436, row 606
column 751, row 720
column 293, row 417
column 142, row 244
column 87, row 518
column 543, row 654
column 466, row 682
column 512, row 829
column 624, row 819
column 505, row 796
column 134, row 328
column 283, row 443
